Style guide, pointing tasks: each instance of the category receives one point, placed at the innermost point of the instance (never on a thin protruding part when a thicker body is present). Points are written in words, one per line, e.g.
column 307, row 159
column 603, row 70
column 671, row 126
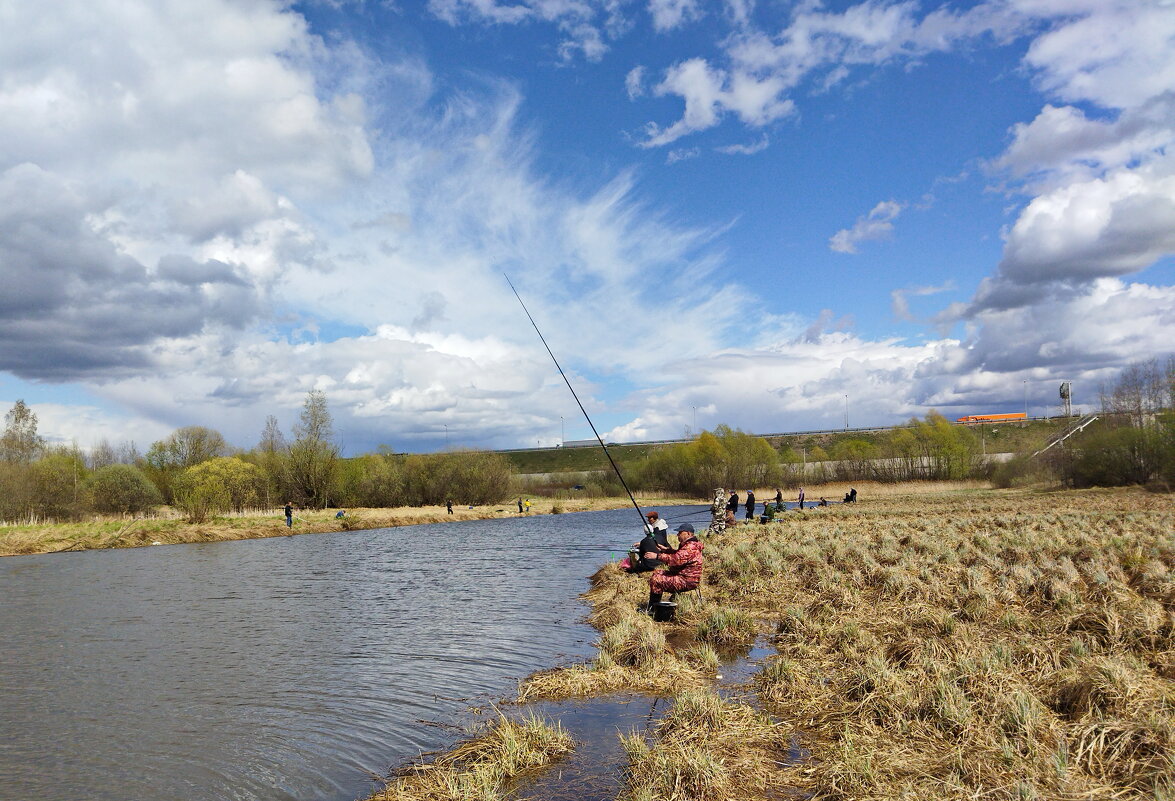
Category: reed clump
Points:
column 481, row 769
column 634, row 656
column 707, row 748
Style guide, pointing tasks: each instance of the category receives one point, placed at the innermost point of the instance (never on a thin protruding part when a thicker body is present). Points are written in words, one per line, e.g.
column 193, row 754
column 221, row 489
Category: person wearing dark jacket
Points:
column 732, row 504
column 659, row 529
column 750, row 505
column 656, row 540
column 638, row 560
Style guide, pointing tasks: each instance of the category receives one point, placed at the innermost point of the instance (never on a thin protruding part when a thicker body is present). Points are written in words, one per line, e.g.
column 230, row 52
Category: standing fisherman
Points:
column 750, row 504
column 289, row 515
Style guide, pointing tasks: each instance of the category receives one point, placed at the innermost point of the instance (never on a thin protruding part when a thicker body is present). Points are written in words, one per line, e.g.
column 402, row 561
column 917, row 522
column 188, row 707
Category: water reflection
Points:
column 277, row 669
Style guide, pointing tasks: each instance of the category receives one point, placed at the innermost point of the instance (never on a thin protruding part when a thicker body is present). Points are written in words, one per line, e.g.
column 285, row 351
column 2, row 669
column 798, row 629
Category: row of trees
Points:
column 932, row 448
column 196, row 471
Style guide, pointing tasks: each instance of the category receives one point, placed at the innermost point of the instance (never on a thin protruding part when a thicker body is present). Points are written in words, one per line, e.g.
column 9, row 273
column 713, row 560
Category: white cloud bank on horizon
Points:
column 182, row 194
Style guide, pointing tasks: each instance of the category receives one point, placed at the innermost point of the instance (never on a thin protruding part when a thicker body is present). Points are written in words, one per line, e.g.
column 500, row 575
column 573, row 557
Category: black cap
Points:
column 685, row 527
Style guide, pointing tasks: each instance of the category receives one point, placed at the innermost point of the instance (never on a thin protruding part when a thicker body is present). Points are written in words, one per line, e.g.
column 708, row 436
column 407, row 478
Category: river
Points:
column 280, row 669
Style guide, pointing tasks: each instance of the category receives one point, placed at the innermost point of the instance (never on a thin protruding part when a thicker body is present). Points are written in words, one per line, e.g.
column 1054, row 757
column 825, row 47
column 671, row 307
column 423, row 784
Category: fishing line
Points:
column 585, row 414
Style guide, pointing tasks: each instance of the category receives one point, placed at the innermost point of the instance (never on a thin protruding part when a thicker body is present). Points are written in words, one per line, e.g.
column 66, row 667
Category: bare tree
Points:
column 20, row 441
column 1142, row 390
column 102, row 454
column 273, row 458
column 313, row 458
column 184, row 448
column 188, row 446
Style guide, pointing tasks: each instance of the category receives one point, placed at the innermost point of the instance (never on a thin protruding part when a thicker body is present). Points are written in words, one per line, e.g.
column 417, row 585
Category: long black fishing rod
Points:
column 619, row 475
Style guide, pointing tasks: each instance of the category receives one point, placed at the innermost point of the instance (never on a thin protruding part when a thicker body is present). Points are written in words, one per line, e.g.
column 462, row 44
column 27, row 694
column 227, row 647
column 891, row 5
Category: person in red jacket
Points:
column 684, row 566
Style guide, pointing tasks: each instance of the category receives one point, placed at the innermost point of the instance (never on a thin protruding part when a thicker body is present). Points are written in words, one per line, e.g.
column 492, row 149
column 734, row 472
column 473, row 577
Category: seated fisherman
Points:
column 769, row 510
column 684, row 566
column 658, row 528
column 656, row 540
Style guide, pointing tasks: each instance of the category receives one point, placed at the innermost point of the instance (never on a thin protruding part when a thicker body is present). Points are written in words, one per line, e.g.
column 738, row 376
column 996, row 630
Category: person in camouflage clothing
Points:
column 685, row 566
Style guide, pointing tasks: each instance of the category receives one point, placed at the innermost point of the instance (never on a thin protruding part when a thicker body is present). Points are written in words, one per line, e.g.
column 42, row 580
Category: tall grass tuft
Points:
column 479, row 769
column 634, row 641
column 727, row 625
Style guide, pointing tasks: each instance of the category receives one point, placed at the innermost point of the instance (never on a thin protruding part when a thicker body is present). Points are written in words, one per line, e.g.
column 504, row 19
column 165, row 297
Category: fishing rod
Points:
column 585, row 414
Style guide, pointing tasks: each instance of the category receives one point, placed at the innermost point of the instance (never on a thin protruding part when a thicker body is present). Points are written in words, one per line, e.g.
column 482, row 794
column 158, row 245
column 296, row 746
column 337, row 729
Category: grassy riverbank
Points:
column 931, row 643
column 170, row 528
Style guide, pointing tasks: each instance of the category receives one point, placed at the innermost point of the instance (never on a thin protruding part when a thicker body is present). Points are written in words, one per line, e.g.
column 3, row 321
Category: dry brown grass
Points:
column 634, row 655
column 939, row 644
column 708, row 749
column 988, row 644
column 481, row 769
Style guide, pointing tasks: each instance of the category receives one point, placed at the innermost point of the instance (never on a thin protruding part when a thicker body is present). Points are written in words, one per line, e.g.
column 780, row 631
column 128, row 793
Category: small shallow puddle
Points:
column 739, row 665
column 595, row 770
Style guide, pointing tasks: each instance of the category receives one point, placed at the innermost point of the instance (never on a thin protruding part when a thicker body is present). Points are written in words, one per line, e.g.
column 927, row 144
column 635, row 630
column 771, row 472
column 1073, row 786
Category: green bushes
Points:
column 121, row 489
column 1123, row 456
column 216, row 486
column 468, row 477
column 725, row 458
column 1020, row 470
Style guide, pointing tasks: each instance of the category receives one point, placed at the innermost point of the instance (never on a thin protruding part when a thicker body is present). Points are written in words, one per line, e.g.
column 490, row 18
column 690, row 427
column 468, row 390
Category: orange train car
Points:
column 992, row 418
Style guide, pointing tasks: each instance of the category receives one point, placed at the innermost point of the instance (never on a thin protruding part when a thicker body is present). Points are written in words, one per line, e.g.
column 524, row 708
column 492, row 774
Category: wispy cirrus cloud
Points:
column 747, row 149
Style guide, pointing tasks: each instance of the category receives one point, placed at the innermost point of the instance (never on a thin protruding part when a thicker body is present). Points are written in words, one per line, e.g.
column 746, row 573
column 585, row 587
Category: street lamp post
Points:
column 446, row 436
column 695, row 428
column 562, row 435
column 846, row 412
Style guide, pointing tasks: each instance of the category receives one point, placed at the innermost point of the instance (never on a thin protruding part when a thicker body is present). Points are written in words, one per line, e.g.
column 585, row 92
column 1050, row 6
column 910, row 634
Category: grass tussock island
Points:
column 931, row 642
column 171, row 528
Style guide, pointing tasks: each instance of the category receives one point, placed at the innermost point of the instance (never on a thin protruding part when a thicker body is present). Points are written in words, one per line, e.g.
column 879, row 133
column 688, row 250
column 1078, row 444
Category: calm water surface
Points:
column 281, row 668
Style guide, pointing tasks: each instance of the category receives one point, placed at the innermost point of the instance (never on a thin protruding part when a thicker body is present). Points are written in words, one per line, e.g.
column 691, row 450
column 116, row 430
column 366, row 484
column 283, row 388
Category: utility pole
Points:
column 846, row 412
column 562, row 435
column 694, row 430
column 446, row 436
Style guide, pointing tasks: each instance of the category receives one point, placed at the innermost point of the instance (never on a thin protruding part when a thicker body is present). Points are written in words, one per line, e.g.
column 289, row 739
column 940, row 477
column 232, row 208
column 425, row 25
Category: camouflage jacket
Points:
column 686, row 561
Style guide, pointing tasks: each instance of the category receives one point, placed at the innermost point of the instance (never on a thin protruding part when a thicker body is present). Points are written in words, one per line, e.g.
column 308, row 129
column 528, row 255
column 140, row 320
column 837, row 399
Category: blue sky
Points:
column 739, row 212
